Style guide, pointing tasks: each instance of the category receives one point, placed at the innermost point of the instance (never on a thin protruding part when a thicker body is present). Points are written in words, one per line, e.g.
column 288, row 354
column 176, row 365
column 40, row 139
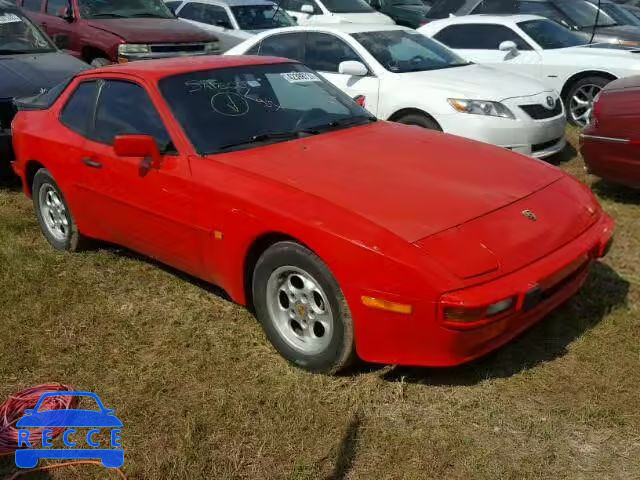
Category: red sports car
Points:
column 348, row 236
column 610, row 143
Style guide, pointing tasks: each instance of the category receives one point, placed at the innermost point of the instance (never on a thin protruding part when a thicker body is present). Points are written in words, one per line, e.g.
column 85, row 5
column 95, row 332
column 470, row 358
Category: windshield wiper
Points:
column 342, row 123
column 263, row 137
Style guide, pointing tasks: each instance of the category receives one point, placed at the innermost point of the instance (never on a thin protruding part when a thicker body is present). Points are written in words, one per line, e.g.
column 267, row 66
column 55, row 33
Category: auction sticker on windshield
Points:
column 300, row 77
column 9, row 18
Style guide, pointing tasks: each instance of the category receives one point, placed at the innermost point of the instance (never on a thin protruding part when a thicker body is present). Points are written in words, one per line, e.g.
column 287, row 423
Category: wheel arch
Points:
column 256, row 248
column 580, row 75
column 32, row 167
column 394, row 117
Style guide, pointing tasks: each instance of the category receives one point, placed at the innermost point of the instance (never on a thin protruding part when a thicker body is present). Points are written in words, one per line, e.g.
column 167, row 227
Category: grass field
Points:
column 202, row 395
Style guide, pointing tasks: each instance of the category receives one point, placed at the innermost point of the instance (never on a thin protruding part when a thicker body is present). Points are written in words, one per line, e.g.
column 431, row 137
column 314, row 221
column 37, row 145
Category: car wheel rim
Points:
column 581, row 104
column 54, row 212
column 300, row 310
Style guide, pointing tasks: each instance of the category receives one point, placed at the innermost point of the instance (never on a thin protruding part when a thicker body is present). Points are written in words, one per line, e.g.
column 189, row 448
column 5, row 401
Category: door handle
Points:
column 91, row 163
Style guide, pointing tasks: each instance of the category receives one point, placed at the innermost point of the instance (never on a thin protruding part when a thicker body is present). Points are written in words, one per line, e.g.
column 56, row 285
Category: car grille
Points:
column 540, row 112
column 7, row 112
column 177, row 48
column 536, row 147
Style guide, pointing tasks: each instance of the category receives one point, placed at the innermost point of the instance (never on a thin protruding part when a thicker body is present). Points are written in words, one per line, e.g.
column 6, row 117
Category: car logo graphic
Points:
column 550, row 102
column 27, row 455
column 529, row 215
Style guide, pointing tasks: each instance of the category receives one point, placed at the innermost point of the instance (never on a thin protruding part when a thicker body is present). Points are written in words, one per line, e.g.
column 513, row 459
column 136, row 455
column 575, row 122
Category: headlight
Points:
column 132, row 48
column 481, row 107
column 211, row 47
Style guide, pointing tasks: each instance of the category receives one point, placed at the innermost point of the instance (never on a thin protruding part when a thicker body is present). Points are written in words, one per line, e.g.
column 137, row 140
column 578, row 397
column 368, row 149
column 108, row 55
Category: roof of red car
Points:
column 162, row 68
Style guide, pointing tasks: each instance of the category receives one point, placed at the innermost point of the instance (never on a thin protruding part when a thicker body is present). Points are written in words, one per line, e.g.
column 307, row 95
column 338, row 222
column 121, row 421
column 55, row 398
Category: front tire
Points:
column 54, row 216
column 302, row 309
column 578, row 102
column 419, row 121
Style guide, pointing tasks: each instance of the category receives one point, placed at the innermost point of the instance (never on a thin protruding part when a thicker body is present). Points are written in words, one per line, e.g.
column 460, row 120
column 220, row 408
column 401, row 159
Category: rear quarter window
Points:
column 77, row 111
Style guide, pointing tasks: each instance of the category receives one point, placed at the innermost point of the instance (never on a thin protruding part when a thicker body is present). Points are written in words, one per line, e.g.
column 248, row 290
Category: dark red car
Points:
column 101, row 32
column 347, row 235
column 611, row 143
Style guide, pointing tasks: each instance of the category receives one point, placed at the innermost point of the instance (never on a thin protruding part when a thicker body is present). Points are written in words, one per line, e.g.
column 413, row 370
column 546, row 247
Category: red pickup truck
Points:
column 101, row 32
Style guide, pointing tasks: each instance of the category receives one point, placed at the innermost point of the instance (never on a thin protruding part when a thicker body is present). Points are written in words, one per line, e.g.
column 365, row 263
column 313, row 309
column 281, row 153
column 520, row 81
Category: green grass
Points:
column 203, row 395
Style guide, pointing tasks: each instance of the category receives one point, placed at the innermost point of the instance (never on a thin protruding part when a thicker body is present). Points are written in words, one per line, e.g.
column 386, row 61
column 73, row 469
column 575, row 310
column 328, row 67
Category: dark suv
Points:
column 577, row 15
column 108, row 31
column 409, row 13
column 29, row 64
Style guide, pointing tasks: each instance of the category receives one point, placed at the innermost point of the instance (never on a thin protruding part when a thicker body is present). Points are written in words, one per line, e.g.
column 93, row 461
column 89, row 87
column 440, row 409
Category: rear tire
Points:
column 302, row 309
column 419, row 121
column 54, row 216
column 578, row 102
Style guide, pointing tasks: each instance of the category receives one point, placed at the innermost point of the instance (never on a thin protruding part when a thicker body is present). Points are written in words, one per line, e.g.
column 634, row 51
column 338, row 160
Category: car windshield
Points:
column 619, row 14
column 402, row 51
column 347, row 6
column 124, row 9
column 235, row 108
column 583, row 13
column 19, row 35
column 550, row 35
column 261, row 17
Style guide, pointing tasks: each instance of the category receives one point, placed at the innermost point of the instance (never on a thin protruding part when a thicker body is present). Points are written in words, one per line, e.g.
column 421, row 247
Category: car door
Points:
column 480, row 42
column 213, row 18
column 324, row 52
column 149, row 209
column 61, row 30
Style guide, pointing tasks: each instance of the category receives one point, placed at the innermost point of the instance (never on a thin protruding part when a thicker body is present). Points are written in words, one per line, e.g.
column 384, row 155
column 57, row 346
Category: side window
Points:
column 324, row 52
column 125, row 108
column 173, row 5
column 287, row 45
column 479, row 37
column 32, row 5
column 215, row 15
column 192, row 11
column 55, row 6
column 76, row 113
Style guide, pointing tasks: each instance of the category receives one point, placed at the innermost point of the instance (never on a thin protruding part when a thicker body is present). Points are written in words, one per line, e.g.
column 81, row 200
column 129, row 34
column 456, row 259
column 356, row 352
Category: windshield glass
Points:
column 19, row 35
column 402, row 51
column 261, row 17
column 124, row 9
column 347, row 6
column 232, row 108
column 550, row 35
column 583, row 13
column 619, row 14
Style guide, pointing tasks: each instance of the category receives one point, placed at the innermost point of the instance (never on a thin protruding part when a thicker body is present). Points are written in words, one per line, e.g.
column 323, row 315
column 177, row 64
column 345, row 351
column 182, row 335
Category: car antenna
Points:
column 593, row 32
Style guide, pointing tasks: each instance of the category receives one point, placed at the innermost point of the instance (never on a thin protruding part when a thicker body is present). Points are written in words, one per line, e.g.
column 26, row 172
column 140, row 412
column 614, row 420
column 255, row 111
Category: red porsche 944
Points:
column 349, row 237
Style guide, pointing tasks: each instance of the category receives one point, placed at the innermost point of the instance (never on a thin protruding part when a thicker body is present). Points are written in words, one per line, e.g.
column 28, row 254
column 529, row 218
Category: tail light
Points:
column 360, row 100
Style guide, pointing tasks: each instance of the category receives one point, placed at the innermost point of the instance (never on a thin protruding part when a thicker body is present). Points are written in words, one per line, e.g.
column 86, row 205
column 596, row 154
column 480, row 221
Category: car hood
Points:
column 27, row 74
column 624, row 32
column 153, row 30
column 409, row 181
column 477, row 82
column 604, row 55
column 373, row 18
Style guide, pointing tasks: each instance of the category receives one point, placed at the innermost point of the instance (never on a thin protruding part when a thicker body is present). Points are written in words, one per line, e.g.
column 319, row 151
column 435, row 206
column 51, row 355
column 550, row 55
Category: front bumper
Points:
column 132, row 57
column 536, row 138
column 422, row 339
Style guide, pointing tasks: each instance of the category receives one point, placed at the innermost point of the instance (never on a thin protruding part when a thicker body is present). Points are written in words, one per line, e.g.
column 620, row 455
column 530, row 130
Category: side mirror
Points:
column 138, row 146
column 308, row 9
column 353, row 68
column 508, row 46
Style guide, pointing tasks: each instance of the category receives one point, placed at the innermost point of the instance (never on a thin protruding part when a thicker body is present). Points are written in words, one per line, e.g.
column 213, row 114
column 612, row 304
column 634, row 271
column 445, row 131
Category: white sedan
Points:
column 541, row 49
column 333, row 11
column 408, row 78
column 232, row 21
